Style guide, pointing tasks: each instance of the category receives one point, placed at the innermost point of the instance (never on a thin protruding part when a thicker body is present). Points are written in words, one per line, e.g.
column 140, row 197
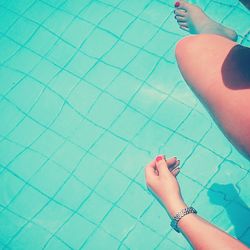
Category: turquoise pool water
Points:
column 89, row 93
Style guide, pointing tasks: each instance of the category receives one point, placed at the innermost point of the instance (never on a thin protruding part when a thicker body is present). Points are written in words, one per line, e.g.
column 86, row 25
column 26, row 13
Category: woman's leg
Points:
column 208, row 63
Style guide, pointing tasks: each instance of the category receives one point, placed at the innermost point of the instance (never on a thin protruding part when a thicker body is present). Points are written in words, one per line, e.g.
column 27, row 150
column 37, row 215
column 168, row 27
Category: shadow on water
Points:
column 236, row 68
column 238, row 212
column 246, row 3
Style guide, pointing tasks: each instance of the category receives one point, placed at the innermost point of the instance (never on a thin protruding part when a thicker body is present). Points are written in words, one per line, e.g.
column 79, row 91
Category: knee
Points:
column 190, row 46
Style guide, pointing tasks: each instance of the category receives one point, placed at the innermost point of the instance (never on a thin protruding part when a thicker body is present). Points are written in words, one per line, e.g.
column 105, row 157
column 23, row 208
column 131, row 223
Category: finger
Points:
column 150, row 169
column 171, row 161
column 171, row 168
column 176, row 171
column 161, row 165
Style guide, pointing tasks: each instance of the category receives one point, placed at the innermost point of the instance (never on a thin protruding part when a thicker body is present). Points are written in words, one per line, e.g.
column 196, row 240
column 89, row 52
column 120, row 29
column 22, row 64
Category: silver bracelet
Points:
column 179, row 215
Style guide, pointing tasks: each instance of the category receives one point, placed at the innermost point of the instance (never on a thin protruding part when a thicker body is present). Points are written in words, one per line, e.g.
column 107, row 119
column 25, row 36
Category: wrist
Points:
column 175, row 206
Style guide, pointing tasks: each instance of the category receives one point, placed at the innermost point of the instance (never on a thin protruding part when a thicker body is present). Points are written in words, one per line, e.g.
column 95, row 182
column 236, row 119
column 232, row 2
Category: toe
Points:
column 182, row 5
column 180, row 12
column 180, row 18
column 184, row 27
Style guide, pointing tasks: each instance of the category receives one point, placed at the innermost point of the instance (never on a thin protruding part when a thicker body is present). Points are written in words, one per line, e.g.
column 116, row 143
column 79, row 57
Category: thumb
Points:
column 161, row 165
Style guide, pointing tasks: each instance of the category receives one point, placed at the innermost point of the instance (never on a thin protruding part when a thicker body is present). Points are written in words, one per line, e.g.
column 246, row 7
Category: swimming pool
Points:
column 90, row 92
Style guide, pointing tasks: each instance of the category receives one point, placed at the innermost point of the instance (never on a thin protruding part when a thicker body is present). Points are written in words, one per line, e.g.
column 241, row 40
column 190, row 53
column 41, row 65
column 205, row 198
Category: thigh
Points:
column 206, row 64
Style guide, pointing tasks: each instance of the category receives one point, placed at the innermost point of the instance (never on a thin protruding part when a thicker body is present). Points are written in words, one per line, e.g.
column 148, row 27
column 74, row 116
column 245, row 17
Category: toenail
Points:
column 177, row 4
column 159, row 158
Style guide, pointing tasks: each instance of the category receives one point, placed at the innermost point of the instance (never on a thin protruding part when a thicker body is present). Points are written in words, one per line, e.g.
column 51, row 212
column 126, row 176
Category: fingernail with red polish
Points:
column 177, row 4
column 159, row 158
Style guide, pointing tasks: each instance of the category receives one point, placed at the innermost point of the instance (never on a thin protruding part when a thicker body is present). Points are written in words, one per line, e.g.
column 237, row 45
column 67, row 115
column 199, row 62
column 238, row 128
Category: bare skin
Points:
column 201, row 234
column 193, row 20
column 218, row 72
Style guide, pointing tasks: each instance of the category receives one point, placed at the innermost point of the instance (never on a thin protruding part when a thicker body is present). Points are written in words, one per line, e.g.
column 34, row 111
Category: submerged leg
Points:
column 218, row 71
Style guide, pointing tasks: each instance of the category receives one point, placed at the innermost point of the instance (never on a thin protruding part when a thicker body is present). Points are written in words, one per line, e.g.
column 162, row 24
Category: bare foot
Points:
column 193, row 20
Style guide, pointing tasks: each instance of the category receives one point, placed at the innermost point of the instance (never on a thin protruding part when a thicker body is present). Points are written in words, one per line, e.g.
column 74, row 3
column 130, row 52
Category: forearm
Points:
column 202, row 234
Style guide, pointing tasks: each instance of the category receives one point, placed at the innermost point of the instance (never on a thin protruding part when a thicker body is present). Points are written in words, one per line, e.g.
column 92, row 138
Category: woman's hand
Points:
column 161, row 179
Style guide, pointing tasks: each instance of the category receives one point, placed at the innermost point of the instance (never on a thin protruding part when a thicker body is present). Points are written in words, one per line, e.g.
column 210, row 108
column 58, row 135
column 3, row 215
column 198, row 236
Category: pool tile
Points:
column 142, row 238
column 164, row 77
column 26, row 132
column 156, row 218
column 101, row 240
column 67, row 121
column 39, row 12
column 83, row 96
column 167, row 244
column 10, row 186
column 179, row 240
column 45, row 148
column 95, row 12
column 187, row 185
column 156, row 12
column 147, row 100
column 202, row 165
column 22, row 30
column 173, row 147
column 58, row 22
column 55, row 243
column 134, row 7
column 26, row 164
column 9, row 151
column 243, row 186
column 42, row 42
column 8, row 49
column 142, row 65
column 45, row 71
column 161, row 43
column 218, row 11
column 105, row 110
column 77, row 32
column 68, row 156
column 10, row 79
column 106, row 72
column 108, row 147
column 113, row 185
column 52, row 174
column 8, row 19
column 93, row 47
column 9, row 225
column 97, row 167
column 46, row 108
column 121, row 229
column 135, row 200
column 32, row 237
column 75, row 231
column 117, row 22
column 216, row 202
column 61, row 53
column 220, row 182
column 151, row 137
column 12, row 117
column 129, row 129
column 139, row 33
column 195, row 126
column 65, row 196
column 73, row 7
column 63, row 83
column 126, row 53
column 22, row 55
column 164, row 117
column 19, row 94
column 124, row 86
column 130, row 166
column 232, row 20
column 22, row 205
column 89, row 210
column 86, row 135
column 81, row 64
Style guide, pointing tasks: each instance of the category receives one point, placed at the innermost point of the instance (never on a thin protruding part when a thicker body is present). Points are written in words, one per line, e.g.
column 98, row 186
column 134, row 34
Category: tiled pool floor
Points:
column 89, row 93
